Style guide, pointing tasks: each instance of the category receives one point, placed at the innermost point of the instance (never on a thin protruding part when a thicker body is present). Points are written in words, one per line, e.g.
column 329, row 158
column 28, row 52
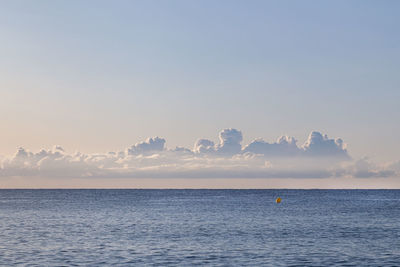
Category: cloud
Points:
column 319, row 157
column 48, row 163
column 285, row 146
column 150, row 145
column 364, row 168
column 229, row 143
column 204, row 146
column 317, row 145
column 230, row 140
column 320, row 145
column 393, row 166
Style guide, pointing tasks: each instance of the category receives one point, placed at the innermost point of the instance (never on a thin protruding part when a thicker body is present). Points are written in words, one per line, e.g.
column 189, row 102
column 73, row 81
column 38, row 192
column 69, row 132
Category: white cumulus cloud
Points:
column 284, row 147
column 320, row 145
column 319, row 157
column 150, row 145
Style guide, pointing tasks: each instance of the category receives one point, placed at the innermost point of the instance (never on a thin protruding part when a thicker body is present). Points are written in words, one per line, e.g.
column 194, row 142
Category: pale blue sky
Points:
column 102, row 75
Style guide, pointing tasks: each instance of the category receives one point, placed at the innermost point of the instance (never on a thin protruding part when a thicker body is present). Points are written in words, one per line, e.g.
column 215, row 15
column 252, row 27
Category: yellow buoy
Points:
column 278, row 200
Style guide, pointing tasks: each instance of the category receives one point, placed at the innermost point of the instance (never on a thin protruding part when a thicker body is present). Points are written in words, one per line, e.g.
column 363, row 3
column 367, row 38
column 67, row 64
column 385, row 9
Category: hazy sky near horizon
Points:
column 99, row 76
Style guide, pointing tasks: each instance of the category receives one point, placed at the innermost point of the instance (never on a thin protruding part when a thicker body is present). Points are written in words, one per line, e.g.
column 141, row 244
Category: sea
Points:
column 199, row 228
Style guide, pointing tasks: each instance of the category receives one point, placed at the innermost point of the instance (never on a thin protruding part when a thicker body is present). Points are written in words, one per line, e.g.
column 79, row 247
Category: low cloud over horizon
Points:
column 319, row 157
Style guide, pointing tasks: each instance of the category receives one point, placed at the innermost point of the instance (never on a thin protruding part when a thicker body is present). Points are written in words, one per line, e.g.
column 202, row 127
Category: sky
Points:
column 100, row 94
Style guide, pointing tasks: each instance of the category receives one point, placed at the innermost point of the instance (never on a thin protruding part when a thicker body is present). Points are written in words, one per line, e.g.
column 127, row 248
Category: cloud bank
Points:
column 318, row 157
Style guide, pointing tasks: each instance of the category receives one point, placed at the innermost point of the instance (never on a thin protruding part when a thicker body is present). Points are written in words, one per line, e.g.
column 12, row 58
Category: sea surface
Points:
column 199, row 227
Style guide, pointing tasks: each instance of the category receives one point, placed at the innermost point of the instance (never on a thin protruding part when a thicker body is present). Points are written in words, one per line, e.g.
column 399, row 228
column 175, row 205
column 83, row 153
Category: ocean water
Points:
column 199, row 227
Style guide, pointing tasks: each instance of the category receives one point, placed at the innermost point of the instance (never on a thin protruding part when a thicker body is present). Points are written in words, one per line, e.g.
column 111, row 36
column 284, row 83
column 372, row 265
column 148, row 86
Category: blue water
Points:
column 200, row 227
